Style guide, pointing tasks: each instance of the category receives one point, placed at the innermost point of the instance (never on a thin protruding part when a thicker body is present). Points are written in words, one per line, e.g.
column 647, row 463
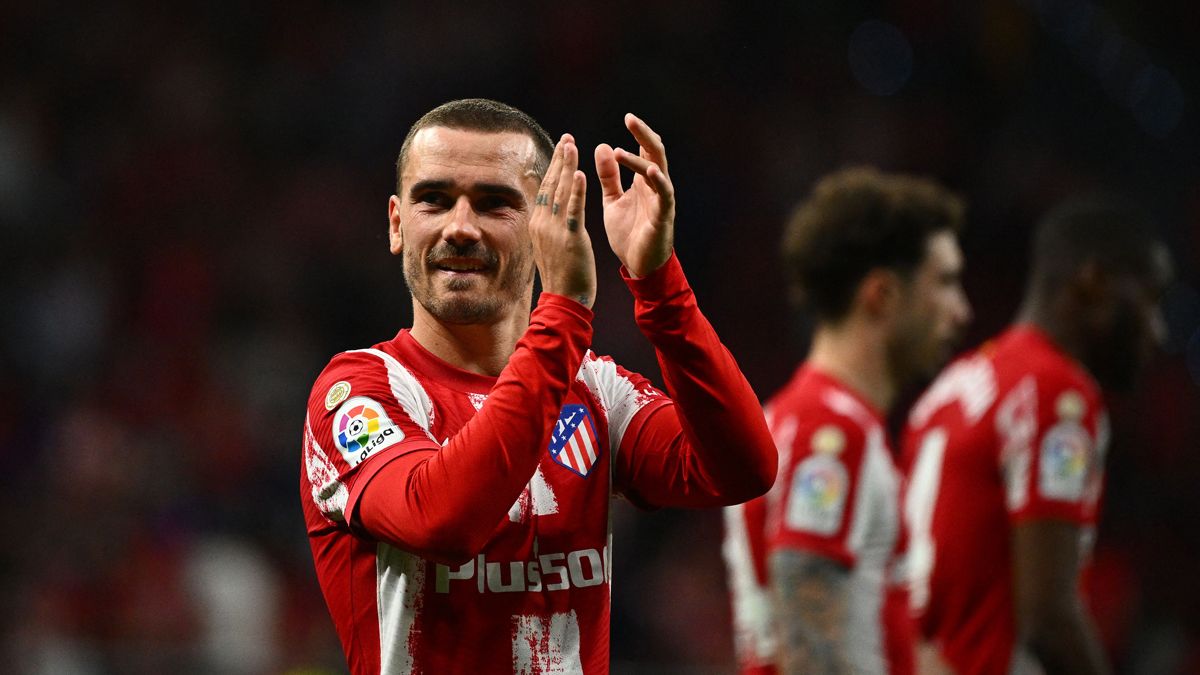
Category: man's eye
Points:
column 434, row 199
column 491, row 203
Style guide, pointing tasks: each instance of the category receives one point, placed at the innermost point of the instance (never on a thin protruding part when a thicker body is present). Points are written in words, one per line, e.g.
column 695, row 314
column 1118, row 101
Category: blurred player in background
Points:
column 814, row 567
column 457, row 479
column 1005, row 451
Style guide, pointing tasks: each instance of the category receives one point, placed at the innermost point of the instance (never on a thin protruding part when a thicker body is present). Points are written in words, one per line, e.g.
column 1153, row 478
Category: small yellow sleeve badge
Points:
column 337, row 393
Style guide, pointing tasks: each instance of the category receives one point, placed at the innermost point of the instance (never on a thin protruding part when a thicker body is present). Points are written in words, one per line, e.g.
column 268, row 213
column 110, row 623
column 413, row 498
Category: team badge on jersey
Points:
column 360, row 427
column 1064, row 462
column 574, row 443
column 820, row 486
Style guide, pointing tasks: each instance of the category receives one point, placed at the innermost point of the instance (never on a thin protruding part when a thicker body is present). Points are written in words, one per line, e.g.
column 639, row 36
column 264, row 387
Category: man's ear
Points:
column 879, row 293
column 395, row 233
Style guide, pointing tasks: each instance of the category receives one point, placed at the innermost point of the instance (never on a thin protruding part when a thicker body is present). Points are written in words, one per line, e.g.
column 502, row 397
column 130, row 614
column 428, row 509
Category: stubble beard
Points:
column 456, row 303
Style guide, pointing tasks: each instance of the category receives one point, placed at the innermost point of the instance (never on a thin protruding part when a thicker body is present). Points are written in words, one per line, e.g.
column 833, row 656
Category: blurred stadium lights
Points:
column 1121, row 66
column 881, row 57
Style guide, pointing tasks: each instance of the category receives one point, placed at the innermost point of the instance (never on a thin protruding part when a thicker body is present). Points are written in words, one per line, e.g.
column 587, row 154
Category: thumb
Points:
column 609, row 173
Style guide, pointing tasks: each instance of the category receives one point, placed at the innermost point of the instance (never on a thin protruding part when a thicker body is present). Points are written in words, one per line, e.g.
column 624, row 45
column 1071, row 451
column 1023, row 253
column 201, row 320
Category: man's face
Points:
column 1127, row 326
column 461, row 223
column 933, row 314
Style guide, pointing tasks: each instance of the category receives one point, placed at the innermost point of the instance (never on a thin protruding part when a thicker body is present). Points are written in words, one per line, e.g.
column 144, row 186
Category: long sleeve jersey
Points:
column 460, row 523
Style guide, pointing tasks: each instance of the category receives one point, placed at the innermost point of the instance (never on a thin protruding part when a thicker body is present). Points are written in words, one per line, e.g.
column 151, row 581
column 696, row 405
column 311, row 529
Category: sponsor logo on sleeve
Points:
column 1064, row 462
column 574, row 443
column 820, row 486
column 337, row 393
column 361, row 426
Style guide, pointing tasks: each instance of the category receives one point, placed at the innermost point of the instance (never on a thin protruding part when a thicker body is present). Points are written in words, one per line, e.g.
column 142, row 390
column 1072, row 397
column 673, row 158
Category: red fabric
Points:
column 443, row 504
column 719, row 451
column 447, row 466
column 829, row 487
column 1023, row 429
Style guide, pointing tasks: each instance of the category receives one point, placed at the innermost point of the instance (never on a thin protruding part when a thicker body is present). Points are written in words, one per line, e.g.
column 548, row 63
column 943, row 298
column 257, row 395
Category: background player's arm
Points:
column 1053, row 625
column 809, row 594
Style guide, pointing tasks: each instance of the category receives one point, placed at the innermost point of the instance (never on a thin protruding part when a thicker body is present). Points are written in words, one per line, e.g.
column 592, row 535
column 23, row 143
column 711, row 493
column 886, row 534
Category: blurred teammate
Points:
column 1005, row 451
column 813, row 566
column 456, row 479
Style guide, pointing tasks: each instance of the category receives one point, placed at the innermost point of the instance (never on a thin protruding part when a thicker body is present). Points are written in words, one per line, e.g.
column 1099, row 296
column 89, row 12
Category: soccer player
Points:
column 456, row 479
column 1005, row 451
column 814, row 566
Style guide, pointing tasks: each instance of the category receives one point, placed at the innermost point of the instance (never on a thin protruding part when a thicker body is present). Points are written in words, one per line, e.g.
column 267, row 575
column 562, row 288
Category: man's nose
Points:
column 963, row 313
column 462, row 227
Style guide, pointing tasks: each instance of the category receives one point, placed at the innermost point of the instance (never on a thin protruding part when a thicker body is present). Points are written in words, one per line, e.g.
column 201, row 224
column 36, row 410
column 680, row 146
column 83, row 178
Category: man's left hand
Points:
column 640, row 221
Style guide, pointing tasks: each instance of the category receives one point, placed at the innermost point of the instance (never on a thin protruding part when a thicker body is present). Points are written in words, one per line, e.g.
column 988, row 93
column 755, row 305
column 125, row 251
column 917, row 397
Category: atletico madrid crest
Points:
column 574, row 443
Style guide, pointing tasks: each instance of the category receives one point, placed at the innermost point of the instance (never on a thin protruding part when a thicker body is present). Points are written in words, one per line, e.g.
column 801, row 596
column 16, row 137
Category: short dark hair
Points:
column 1109, row 231
column 480, row 114
column 856, row 220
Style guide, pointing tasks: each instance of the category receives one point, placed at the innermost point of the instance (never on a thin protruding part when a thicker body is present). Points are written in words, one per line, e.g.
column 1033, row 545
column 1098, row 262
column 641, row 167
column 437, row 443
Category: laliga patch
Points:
column 360, row 427
column 337, row 393
column 574, row 443
column 1064, row 462
column 820, row 486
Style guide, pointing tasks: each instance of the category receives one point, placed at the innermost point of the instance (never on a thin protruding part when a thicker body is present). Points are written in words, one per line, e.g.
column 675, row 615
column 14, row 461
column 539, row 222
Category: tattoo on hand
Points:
column 541, row 200
column 554, row 209
column 572, row 224
column 583, row 299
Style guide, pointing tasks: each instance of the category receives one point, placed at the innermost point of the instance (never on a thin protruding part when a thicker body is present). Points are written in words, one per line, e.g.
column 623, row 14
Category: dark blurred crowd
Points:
column 192, row 218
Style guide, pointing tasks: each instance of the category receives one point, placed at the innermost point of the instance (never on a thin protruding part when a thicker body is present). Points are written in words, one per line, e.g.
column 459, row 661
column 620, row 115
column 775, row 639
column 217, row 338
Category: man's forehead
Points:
column 942, row 249
column 440, row 148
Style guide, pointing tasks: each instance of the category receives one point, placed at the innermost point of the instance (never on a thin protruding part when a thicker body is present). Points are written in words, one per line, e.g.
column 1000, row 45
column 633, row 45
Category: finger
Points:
column 577, row 202
column 570, row 163
column 652, row 144
column 639, row 165
column 553, row 173
column 609, row 173
column 659, row 181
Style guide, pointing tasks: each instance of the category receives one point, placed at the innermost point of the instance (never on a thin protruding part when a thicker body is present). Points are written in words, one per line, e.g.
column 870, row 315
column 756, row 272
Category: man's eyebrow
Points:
column 482, row 188
column 423, row 185
column 498, row 189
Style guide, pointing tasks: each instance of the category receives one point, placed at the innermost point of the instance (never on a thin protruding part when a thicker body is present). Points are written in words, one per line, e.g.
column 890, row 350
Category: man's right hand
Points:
column 561, row 246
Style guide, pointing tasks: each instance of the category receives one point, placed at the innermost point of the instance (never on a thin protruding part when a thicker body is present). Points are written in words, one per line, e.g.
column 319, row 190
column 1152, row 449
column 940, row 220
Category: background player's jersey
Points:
column 837, row 495
column 1012, row 432
column 536, row 598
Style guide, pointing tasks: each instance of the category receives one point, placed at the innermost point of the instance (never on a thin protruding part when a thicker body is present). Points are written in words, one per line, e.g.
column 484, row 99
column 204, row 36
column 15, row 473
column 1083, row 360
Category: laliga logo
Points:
column 356, row 427
column 362, row 427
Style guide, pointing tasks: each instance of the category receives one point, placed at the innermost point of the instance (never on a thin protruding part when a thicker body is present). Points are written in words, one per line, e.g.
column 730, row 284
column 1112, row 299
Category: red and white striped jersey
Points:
column 545, row 572
column 1014, row 431
column 460, row 523
column 837, row 495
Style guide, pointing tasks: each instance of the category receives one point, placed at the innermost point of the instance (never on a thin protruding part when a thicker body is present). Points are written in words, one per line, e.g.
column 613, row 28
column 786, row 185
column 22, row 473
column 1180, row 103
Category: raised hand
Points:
column 640, row 221
column 561, row 246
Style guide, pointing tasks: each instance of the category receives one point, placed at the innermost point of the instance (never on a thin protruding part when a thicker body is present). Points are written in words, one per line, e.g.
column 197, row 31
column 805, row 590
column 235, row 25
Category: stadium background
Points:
column 192, row 201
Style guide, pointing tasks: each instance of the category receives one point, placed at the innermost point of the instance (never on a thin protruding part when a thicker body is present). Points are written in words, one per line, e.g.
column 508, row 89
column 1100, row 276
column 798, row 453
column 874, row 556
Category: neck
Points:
column 856, row 354
column 482, row 348
column 1049, row 316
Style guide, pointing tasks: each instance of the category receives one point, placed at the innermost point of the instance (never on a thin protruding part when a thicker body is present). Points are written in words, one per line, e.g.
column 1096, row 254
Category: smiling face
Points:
column 461, row 223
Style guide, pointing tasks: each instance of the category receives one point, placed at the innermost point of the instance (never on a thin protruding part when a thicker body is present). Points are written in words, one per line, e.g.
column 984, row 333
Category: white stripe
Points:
column 328, row 492
column 406, row 389
column 577, row 453
column 586, row 436
column 617, row 396
column 400, row 582
column 753, row 638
